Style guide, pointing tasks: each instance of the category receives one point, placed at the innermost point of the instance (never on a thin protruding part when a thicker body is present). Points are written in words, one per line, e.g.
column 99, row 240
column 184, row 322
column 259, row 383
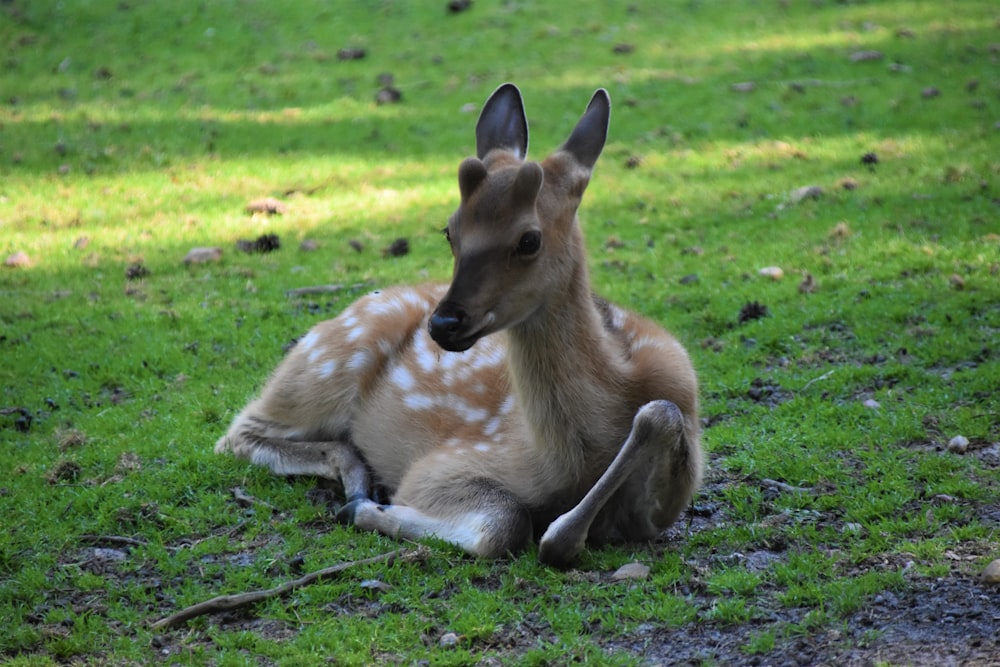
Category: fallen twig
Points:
column 117, row 540
column 783, row 486
column 244, row 499
column 229, row 602
column 824, row 376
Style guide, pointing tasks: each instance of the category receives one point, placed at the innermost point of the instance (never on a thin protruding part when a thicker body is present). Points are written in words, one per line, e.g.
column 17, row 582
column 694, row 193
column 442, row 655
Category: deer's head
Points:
column 514, row 235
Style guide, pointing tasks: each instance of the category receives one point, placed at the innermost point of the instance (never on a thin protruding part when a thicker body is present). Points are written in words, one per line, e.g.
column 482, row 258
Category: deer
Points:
column 509, row 406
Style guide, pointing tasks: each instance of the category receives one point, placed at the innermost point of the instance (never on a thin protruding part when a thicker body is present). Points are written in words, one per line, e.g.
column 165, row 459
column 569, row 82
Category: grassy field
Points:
column 837, row 523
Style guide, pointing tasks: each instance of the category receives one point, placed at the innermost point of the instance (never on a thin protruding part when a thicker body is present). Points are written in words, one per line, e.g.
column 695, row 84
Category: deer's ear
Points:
column 586, row 141
column 502, row 123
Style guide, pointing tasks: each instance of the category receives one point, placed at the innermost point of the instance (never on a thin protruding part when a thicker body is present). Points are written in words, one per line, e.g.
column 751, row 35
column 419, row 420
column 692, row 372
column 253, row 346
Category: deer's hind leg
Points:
column 647, row 485
column 266, row 444
column 475, row 514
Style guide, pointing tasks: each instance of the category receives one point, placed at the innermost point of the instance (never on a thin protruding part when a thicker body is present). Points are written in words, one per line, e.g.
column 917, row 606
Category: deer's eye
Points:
column 529, row 243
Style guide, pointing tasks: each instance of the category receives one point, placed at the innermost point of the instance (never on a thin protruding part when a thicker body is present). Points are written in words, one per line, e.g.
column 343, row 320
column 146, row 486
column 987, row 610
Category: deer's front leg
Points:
column 657, row 432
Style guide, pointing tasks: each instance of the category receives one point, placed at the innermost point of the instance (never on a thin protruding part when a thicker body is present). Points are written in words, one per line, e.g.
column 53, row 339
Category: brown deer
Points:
column 512, row 403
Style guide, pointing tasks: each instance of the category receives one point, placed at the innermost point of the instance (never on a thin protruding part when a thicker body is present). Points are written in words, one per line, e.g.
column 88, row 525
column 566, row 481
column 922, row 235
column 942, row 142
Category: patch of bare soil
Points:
column 941, row 623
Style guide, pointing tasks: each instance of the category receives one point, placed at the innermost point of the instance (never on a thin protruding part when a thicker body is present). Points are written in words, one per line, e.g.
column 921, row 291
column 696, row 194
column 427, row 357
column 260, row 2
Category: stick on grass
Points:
column 230, row 602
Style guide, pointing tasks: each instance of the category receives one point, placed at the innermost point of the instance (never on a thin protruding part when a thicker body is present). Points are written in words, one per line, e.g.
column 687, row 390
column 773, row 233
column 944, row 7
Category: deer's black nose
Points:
column 448, row 325
column 444, row 325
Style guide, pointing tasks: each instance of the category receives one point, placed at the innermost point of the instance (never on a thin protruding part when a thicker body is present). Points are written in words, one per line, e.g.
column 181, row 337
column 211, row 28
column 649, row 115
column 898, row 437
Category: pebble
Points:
column 267, row 206
column 18, row 260
column 631, row 571
column 991, row 575
column 872, row 403
column 772, row 272
column 202, row 255
column 865, row 56
column 805, row 192
column 958, row 444
column 448, row 640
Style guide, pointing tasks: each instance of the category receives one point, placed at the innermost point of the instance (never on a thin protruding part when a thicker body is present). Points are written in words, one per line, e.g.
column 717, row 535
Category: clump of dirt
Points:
column 262, row 244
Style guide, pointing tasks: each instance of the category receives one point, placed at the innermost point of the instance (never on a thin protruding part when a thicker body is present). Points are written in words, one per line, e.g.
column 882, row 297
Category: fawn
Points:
column 509, row 405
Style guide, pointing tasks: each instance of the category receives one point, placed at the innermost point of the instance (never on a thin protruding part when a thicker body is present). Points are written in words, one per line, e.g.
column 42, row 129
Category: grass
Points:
column 132, row 132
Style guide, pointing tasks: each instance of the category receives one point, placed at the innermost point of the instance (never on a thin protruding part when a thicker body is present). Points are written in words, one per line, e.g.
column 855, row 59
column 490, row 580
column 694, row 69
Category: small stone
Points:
column 956, row 281
column 866, row 56
column 634, row 571
column 203, row 255
column 351, row 54
column 19, row 260
column 744, row 87
column 267, row 206
column 959, row 444
column 308, row 245
column 991, row 575
column 930, row 92
column 772, row 272
column 871, row 404
column 448, row 640
column 805, row 192
column 456, row 6
column 388, row 95
column 108, row 555
column 375, row 585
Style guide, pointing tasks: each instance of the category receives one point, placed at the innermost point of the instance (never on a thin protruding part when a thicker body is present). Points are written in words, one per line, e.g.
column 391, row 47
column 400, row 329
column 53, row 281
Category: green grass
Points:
column 132, row 132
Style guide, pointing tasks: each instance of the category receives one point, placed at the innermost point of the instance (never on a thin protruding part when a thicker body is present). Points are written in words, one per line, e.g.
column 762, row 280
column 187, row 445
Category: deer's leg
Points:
column 477, row 515
column 258, row 441
column 657, row 441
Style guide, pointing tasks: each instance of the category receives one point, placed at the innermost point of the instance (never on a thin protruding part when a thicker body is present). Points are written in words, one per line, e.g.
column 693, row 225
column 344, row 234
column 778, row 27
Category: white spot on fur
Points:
column 464, row 410
column 481, row 447
column 426, row 358
column 492, row 426
column 508, row 405
column 309, row 340
column 349, row 321
column 419, row 402
column 326, row 369
column 391, row 306
column 316, row 354
column 355, row 333
column 402, row 378
column 412, row 298
column 359, row 361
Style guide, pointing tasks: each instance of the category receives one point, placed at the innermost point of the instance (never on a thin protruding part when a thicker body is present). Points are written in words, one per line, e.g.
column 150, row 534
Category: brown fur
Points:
column 535, row 406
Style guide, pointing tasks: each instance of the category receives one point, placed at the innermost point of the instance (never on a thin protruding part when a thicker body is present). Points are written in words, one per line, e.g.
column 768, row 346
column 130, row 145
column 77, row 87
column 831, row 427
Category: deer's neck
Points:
column 566, row 373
